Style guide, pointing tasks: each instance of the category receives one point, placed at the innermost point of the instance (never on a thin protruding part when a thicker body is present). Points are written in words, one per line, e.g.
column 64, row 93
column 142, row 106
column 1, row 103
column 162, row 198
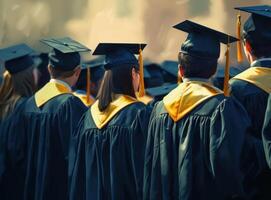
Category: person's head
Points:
column 199, row 53
column 70, row 76
column 64, row 59
column 15, row 86
column 257, row 32
column 122, row 75
column 20, row 77
column 123, row 80
column 193, row 67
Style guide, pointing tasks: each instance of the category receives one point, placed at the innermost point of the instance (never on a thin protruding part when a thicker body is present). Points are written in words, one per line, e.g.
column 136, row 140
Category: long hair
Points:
column 13, row 87
column 117, row 80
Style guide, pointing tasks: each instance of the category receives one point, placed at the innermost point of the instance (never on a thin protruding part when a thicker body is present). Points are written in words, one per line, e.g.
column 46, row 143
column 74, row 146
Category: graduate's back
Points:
column 49, row 117
column 18, row 84
column 196, row 133
column 48, row 129
column 107, row 150
column 197, row 156
column 107, row 162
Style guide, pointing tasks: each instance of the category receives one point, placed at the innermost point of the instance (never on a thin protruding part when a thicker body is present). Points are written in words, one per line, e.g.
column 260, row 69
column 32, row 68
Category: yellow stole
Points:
column 83, row 98
column 258, row 76
column 102, row 118
column 183, row 99
column 145, row 99
column 49, row 91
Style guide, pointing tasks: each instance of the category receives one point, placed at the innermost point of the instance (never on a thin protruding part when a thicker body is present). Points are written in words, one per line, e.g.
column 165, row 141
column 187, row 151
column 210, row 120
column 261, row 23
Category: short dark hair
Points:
column 59, row 73
column 194, row 67
column 257, row 48
column 117, row 80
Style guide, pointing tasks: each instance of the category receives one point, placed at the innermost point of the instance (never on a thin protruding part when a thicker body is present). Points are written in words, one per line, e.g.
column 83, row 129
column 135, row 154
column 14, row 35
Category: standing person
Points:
column 18, row 84
column 251, row 87
column 196, row 133
column 107, row 154
column 50, row 116
column 267, row 133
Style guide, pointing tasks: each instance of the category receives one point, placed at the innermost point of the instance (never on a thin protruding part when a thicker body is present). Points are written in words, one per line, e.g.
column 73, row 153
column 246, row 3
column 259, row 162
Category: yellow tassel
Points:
column 227, row 71
column 88, row 85
column 141, row 72
column 239, row 46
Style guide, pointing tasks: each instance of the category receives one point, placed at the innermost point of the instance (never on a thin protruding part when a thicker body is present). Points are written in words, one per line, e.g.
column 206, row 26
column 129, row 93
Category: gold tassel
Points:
column 239, row 46
column 227, row 71
column 88, row 85
column 141, row 72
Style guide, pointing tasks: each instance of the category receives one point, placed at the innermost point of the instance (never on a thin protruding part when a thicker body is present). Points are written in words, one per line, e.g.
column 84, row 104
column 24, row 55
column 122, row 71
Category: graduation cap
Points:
column 258, row 25
column 65, row 54
column 159, row 92
column 204, row 43
column 121, row 55
column 16, row 58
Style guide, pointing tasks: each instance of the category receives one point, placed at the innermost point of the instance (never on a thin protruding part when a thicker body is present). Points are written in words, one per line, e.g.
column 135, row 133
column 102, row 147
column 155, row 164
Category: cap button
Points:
column 66, row 44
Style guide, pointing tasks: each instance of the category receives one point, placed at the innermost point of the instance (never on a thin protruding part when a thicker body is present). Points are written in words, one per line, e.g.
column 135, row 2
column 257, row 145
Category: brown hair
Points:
column 58, row 73
column 197, row 67
column 117, row 80
column 13, row 87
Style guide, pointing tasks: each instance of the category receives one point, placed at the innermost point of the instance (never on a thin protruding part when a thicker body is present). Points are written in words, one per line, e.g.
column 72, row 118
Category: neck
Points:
column 196, row 79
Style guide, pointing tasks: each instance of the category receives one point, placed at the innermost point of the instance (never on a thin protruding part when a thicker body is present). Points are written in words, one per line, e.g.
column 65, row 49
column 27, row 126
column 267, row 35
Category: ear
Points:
column 247, row 46
column 49, row 67
column 134, row 73
column 77, row 71
column 180, row 71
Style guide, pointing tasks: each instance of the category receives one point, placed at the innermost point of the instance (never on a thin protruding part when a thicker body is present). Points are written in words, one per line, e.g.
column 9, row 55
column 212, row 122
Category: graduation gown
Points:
column 12, row 163
column 267, row 133
column 107, row 153
column 194, row 145
column 251, row 89
column 50, row 117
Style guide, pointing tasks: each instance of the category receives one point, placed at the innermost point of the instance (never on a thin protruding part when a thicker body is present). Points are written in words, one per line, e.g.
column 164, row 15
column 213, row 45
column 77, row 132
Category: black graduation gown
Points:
column 107, row 163
column 197, row 157
column 12, row 163
column 267, row 133
column 48, row 129
column 254, row 100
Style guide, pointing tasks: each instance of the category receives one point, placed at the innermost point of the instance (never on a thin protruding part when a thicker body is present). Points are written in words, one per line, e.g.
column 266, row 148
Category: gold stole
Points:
column 183, row 99
column 49, row 91
column 102, row 118
column 258, row 76
column 83, row 98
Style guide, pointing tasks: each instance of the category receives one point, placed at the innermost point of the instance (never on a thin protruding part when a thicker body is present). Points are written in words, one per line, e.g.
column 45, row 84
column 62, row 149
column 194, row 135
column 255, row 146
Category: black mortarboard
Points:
column 65, row 54
column 202, row 42
column 159, row 92
column 258, row 25
column 16, row 58
column 119, row 54
column 155, row 77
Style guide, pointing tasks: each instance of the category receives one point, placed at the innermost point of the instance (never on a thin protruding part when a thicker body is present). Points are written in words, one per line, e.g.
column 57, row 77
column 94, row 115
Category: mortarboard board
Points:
column 122, row 54
column 16, row 58
column 156, row 76
column 202, row 41
column 258, row 25
column 159, row 92
column 65, row 54
column 117, row 54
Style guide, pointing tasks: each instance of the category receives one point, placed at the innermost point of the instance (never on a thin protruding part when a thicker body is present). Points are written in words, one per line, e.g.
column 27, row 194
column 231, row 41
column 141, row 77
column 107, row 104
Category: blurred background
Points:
column 94, row 21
